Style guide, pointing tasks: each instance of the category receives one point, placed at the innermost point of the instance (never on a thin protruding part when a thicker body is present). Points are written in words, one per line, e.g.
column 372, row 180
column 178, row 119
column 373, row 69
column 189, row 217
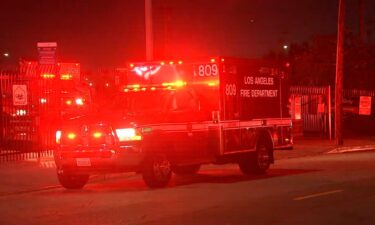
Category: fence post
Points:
column 329, row 111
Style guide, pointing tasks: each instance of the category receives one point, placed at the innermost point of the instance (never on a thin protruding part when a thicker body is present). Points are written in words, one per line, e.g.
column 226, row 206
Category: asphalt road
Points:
column 324, row 189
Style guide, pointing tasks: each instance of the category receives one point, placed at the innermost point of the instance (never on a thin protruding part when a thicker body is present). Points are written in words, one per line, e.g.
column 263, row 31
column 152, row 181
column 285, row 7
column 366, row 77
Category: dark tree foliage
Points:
column 314, row 62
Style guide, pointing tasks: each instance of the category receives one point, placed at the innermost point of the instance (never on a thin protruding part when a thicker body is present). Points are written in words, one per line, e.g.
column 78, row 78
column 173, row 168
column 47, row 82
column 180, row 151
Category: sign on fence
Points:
column 47, row 53
column 19, row 94
column 321, row 108
column 297, row 107
column 364, row 105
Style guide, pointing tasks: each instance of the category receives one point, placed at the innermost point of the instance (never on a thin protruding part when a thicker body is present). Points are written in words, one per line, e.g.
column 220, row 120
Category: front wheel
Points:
column 259, row 161
column 71, row 181
column 157, row 171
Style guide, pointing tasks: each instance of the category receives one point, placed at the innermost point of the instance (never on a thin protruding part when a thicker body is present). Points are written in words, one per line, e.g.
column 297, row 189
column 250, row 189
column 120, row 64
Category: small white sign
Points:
column 46, row 44
column 19, row 94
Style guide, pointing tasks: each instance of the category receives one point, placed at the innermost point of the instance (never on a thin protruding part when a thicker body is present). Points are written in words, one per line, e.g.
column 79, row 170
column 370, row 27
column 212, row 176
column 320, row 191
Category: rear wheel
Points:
column 157, row 171
column 72, row 181
column 186, row 170
column 259, row 161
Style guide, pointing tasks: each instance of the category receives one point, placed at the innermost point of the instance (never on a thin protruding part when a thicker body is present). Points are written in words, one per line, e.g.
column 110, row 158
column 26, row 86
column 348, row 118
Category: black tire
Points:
column 72, row 181
column 258, row 162
column 157, row 171
column 186, row 170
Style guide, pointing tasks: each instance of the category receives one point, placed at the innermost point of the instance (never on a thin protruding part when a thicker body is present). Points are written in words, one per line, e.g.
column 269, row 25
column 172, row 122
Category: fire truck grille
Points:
column 89, row 136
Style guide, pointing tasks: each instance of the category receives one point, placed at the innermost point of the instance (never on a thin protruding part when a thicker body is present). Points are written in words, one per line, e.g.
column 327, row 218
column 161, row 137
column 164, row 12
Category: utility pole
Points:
column 149, row 32
column 339, row 74
column 361, row 21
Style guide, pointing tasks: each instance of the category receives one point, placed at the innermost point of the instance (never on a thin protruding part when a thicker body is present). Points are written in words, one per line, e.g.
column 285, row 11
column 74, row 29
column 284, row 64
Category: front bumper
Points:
column 98, row 160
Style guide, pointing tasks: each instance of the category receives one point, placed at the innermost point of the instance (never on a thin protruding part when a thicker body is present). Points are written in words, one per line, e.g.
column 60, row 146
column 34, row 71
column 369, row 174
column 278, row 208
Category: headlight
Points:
column 128, row 134
column 58, row 137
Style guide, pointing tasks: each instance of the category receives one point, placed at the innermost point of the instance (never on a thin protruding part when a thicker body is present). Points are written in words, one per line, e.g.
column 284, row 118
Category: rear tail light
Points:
column 128, row 134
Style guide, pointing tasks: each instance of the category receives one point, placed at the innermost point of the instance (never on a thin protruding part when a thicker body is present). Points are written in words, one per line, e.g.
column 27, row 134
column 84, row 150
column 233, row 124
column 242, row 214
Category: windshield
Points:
column 139, row 102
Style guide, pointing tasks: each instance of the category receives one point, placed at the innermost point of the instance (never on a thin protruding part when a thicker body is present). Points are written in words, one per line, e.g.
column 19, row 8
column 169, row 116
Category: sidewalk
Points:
column 309, row 146
column 34, row 175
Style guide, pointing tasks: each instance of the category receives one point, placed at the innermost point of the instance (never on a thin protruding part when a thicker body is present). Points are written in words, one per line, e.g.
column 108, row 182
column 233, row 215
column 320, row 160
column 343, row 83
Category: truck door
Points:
column 184, row 113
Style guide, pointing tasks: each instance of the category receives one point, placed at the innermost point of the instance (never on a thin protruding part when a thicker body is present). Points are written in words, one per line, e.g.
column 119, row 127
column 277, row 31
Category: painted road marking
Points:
column 4, row 194
column 317, row 195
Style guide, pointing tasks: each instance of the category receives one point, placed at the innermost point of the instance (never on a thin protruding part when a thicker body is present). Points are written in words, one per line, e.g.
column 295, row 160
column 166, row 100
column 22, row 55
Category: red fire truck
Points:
column 175, row 116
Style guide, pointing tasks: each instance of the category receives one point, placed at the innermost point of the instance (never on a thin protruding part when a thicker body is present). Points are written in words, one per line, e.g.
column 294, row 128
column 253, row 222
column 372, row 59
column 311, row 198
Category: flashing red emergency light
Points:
column 66, row 77
column 71, row 136
column 79, row 101
column 48, row 76
column 178, row 83
column 166, row 85
column 43, row 101
column 213, row 83
column 97, row 134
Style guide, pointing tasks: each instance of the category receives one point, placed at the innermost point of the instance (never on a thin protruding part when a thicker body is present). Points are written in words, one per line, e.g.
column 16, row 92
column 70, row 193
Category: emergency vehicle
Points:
column 174, row 116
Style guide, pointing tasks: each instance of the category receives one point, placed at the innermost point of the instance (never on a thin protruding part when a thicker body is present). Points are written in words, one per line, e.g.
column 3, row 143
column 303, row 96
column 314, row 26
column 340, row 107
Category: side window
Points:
column 184, row 100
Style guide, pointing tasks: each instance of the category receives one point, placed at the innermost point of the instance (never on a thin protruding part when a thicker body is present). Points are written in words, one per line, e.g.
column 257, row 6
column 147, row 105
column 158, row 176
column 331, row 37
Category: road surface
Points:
column 325, row 189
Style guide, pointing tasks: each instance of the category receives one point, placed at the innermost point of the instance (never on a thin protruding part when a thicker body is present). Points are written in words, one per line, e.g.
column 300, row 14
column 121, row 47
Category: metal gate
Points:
column 311, row 107
column 25, row 118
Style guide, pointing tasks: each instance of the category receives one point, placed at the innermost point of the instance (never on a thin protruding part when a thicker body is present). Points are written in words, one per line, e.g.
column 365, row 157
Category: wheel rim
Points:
column 263, row 157
column 162, row 169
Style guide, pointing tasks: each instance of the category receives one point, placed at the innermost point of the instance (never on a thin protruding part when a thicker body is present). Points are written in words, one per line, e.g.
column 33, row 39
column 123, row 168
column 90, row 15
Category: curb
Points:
column 351, row 149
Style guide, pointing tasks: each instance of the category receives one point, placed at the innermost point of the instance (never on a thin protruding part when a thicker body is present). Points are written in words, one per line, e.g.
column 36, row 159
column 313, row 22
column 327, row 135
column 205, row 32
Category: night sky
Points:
column 103, row 33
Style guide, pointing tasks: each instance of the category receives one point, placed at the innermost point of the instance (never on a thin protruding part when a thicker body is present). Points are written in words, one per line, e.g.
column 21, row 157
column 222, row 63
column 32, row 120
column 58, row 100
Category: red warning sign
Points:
column 297, row 107
column 364, row 105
